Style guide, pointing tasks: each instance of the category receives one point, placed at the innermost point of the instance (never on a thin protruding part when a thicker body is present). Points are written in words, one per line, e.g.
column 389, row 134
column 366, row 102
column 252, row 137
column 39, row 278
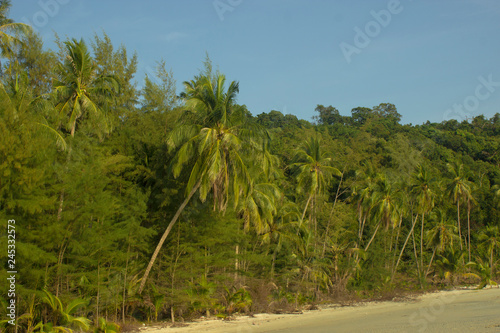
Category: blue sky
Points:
column 434, row 60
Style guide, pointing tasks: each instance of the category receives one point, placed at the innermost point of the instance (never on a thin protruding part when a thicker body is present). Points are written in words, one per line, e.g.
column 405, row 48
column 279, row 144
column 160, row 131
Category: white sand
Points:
column 445, row 311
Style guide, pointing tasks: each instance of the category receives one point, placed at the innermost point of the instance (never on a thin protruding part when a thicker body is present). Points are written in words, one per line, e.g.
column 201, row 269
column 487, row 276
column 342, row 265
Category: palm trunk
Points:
column 491, row 263
column 404, row 246
column 468, row 227
column 459, row 227
column 98, row 290
column 236, row 266
column 397, row 240
column 165, row 234
column 430, row 262
column 422, row 242
column 331, row 214
column 125, row 282
column 416, row 258
column 373, row 236
column 307, row 205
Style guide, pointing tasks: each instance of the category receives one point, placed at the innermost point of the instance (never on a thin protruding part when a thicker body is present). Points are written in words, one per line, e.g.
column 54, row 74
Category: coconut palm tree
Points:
column 460, row 190
column 386, row 206
column 78, row 91
column 314, row 172
column 451, row 266
column 363, row 195
column 8, row 31
column 441, row 236
column 496, row 193
column 424, row 195
column 213, row 136
column 78, row 87
column 490, row 238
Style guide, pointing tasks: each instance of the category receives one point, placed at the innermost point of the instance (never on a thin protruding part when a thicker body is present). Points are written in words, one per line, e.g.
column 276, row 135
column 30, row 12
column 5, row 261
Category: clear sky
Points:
column 433, row 59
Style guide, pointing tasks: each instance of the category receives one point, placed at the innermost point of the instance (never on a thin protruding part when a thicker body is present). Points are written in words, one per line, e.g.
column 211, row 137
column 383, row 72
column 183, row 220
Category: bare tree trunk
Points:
column 468, row 226
column 331, row 214
column 98, row 290
column 373, row 236
column 165, row 234
column 236, row 266
column 422, row 242
column 430, row 262
column 416, row 258
column 397, row 240
column 404, row 246
column 125, row 282
column 459, row 227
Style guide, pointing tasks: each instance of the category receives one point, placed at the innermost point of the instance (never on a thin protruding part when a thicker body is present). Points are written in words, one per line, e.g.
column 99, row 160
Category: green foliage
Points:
column 249, row 213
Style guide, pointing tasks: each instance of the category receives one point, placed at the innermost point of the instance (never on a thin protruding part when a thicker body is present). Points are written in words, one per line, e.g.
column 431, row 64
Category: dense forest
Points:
column 147, row 204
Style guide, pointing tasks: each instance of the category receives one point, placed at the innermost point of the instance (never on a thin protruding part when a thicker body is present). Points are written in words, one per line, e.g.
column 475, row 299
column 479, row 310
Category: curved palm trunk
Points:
column 430, row 262
column 304, row 213
column 165, row 234
column 404, row 246
column 373, row 236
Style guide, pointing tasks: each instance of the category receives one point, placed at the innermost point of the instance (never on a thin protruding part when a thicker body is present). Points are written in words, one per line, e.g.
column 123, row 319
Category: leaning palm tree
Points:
column 213, row 137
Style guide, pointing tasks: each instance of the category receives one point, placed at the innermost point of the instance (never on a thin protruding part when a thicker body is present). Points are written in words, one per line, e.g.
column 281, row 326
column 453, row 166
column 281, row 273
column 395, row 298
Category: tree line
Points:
column 141, row 204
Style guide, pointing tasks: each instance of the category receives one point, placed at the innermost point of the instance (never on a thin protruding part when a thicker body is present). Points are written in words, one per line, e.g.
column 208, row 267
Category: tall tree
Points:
column 459, row 189
column 8, row 30
column 314, row 172
column 213, row 136
column 490, row 238
column 424, row 194
column 77, row 85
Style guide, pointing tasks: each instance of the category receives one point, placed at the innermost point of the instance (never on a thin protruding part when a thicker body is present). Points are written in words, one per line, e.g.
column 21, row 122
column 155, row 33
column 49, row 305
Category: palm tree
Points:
column 424, row 195
column 496, row 193
column 490, row 238
column 77, row 90
column 214, row 137
column 78, row 87
column 314, row 173
column 281, row 228
column 63, row 315
column 8, row 29
column 441, row 236
column 460, row 190
column 259, row 206
column 386, row 206
column 451, row 266
column 363, row 195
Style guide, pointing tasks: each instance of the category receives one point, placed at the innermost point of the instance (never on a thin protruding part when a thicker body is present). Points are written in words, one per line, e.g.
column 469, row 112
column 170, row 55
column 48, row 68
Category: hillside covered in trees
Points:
column 147, row 204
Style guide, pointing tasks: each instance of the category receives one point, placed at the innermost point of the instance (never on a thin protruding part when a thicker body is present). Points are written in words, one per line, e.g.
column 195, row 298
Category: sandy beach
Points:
column 444, row 311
